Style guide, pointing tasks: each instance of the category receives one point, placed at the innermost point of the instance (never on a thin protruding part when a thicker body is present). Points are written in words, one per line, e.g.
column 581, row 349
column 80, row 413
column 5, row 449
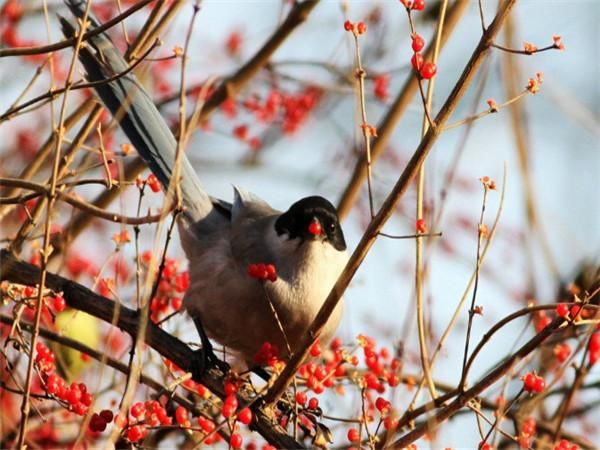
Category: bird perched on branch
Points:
column 302, row 250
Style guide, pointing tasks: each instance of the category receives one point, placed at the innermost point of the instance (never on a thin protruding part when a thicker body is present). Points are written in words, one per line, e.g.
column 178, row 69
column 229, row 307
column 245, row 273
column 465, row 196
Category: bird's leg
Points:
column 205, row 358
column 261, row 372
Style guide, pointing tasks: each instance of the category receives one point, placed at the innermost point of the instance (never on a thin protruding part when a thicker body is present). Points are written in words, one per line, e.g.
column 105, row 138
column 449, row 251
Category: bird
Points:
column 304, row 244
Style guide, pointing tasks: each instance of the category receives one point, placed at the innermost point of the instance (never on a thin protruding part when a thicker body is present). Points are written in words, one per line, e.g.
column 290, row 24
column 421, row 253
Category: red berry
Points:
column 428, row 70
column 418, row 5
column 153, row 183
column 353, row 435
column 315, row 228
column 271, row 272
column 315, row 350
column 181, row 415
column 561, row 352
column 230, row 404
column 74, row 395
column 348, row 26
column 230, row 388
column 207, row 425
column 107, row 415
column 390, row 423
column 137, row 410
column 80, row 409
column 58, row 303
column 382, row 405
column 416, row 61
column 241, row 132
column 136, row 433
column 245, row 416
column 301, row 398
column 575, row 309
column 562, row 310
column 417, row 43
column 97, row 423
column 361, row 27
column 12, row 10
column 87, row 399
column 236, row 440
column 313, row 403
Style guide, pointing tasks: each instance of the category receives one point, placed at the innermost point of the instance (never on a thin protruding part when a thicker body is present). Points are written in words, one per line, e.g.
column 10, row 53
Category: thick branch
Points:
column 81, row 298
column 445, row 413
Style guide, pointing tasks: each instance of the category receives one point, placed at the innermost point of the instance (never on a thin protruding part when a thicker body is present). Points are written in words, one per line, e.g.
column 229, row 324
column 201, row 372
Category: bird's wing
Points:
column 252, row 224
column 140, row 120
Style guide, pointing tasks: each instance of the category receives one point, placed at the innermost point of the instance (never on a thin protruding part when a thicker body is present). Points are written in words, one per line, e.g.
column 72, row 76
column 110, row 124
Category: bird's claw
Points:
column 205, row 359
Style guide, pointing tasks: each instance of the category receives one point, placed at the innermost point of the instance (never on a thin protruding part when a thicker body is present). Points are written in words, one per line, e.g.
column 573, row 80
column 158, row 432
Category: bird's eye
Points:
column 332, row 226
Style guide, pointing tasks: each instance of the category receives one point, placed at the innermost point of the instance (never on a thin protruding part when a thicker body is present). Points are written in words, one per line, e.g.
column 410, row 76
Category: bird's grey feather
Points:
column 140, row 120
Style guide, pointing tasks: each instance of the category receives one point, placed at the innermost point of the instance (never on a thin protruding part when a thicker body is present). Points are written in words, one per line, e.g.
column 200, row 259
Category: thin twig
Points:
column 419, row 267
column 387, row 125
column 85, row 206
column 21, row 51
column 480, row 228
column 387, row 208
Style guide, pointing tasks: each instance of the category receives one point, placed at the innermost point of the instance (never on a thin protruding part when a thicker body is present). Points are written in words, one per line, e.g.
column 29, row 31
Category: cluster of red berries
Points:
column 44, row 358
column 569, row 312
column 144, row 414
column 417, row 5
column 356, row 28
column 380, row 366
column 78, row 265
column 173, row 283
column 56, row 302
column 290, row 110
column 527, row 433
column 262, row 272
column 99, row 421
column 11, row 13
column 268, row 355
column 75, row 395
column 533, row 383
column 563, row 444
column 426, row 70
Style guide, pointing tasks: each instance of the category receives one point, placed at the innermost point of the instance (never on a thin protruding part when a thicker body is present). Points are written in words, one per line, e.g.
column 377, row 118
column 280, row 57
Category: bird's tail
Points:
column 139, row 118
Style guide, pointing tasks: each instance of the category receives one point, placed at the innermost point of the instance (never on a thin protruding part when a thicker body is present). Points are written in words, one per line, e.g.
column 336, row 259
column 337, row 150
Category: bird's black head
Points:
column 312, row 218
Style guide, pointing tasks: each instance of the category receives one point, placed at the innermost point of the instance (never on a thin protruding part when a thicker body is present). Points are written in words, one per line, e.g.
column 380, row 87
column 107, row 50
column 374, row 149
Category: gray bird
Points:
column 305, row 244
